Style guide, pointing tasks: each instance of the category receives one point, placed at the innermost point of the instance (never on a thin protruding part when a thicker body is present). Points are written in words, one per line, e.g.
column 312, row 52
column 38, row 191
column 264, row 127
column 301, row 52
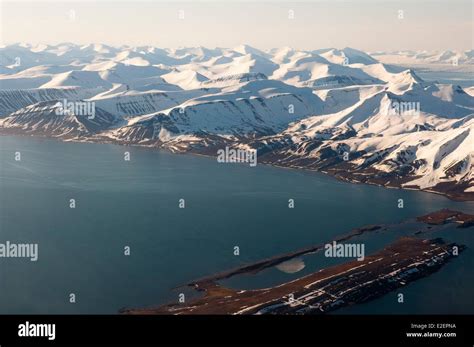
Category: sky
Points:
column 370, row 25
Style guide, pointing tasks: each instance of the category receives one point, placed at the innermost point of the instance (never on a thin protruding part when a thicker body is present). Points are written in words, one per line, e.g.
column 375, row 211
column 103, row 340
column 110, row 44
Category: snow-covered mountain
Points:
column 360, row 117
column 450, row 57
column 48, row 118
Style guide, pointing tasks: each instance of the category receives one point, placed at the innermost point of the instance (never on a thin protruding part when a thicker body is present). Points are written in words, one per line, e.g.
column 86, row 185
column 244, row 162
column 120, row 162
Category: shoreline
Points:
column 355, row 282
column 402, row 261
column 459, row 197
column 261, row 265
column 436, row 218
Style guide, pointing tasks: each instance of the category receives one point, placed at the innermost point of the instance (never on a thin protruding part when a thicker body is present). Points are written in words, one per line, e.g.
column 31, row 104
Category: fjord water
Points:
column 136, row 203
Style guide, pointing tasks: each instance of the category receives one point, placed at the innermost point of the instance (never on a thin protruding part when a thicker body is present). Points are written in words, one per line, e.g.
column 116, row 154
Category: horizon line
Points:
column 264, row 50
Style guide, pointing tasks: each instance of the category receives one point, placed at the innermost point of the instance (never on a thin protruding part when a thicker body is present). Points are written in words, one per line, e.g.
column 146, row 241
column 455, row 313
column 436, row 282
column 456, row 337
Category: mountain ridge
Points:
column 339, row 111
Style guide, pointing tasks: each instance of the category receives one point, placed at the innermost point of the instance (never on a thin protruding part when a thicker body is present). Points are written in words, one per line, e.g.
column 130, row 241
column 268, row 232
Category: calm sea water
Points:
column 135, row 203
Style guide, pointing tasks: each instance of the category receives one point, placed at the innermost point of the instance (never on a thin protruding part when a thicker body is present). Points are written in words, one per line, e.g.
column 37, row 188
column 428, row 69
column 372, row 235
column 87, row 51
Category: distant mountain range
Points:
column 340, row 111
column 427, row 57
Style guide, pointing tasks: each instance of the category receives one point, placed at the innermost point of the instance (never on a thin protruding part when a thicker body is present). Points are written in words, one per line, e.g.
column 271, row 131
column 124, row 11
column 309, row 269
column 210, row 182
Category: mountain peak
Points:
column 246, row 49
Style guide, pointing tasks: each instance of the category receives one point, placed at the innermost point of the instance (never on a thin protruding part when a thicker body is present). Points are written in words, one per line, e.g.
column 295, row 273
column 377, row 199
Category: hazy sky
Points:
column 365, row 24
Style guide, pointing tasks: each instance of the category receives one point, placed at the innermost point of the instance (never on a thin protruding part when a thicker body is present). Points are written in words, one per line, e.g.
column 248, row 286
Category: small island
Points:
column 401, row 262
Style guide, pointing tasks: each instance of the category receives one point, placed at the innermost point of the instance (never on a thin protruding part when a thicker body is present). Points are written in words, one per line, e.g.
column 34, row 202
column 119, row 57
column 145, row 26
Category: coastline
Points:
column 116, row 153
column 337, row 174
column 402, row 261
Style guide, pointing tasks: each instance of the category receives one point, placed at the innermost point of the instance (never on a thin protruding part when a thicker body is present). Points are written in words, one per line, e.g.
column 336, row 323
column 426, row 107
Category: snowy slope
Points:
column 348, row 56
column 130, row 103
column 360, row 117
column 448, row 57
column 250, row 109
column 187, row 79
column 42, row 119
column 82, row 79
column 13, row 100
column 315, row 71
